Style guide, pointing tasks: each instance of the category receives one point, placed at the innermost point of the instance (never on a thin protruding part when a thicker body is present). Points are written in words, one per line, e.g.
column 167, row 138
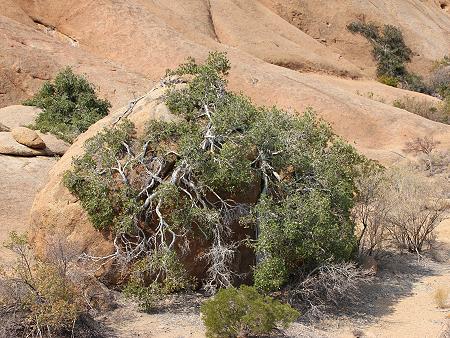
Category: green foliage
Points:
column 391, row 54
column 170, row 277
column 241, row 312
column 389, row 48
column 192, row 180
column 271, row 274
column 100, row 194
column 389, row 80
column 69, row 106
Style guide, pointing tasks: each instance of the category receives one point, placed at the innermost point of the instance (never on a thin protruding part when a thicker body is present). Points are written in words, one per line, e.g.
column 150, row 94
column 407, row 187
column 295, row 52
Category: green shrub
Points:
column 389, row 80
column 389, row 48
column 171, row 277
column 185, row 182
column 391, row 54
column 241, row 312
column 69, row 105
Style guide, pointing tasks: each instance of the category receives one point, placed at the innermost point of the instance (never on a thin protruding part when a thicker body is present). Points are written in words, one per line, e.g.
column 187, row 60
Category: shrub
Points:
column 440, row 297
column 415, row 83
column 440, row 78
column 37, row 298
column 241, row 312
column 184, row 182
column 400, row 206
column 389, row 80
column 171, row 277
column 328, row 286
column 389, row 48
column 69, row 105
column 430, row 110
column 370, row 211
column 391, row 54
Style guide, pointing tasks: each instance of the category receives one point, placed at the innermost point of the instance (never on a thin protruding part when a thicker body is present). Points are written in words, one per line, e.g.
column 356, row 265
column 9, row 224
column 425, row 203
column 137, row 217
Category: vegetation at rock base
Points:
column 391, row 54
column 188, row 181
column 241, row 312
column 399, row 207
column 69, row 105
column 439, row 86
column 37, row 298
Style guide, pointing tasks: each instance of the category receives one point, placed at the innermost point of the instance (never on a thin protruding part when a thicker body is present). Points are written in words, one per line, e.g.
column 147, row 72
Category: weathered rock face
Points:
column 258, row 42
column 20, row 179
column 28, row 137
column 4, row 128
column 24, row 169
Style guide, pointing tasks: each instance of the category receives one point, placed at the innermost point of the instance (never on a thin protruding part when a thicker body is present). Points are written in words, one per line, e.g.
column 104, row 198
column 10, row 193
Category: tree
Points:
column 188, row 181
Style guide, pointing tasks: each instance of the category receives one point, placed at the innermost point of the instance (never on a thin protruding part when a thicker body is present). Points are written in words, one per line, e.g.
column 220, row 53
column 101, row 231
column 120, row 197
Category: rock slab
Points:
column 28, row 138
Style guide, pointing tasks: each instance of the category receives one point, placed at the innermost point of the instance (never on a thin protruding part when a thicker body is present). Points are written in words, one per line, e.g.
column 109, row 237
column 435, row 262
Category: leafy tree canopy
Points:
column 227, row 173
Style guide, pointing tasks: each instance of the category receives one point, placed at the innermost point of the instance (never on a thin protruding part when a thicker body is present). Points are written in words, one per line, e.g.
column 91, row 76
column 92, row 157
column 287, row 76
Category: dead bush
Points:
column 416, row 207
column 399, row 207
column 369, row 213
column 429, row 158
column 327, row 286
column 37, row 298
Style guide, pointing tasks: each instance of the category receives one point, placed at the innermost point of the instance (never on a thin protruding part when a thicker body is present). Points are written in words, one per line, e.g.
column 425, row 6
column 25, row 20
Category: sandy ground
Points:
column 399, row 303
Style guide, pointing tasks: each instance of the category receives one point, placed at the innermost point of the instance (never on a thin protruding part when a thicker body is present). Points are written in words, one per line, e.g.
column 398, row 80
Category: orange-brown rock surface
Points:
column 293, row 54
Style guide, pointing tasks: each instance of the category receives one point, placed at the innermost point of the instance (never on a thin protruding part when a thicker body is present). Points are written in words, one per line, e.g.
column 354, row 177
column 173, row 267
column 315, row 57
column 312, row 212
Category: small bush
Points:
column 37, row 298
column 433, row 111
column 241, row 312
column 440, row 297
column 440, row 78
column 370, row 212
column 402, row 207
column 389, row 80
column 328, row 286
column 69, row 105
column 171, row 277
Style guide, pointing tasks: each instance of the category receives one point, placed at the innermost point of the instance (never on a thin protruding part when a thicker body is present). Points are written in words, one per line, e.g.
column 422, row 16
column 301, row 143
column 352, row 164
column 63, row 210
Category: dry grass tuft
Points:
column 441, row 297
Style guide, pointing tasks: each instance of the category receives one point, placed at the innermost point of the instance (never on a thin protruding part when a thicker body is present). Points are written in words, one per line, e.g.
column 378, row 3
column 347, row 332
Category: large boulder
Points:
column 9, row 146
column 28, row 137
column 53, row 146
column 22, row 141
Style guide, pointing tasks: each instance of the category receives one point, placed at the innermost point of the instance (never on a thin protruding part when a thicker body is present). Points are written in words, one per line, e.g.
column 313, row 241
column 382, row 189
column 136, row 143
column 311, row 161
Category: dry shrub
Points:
column 327, row 286
column 37, row 298
column 417, row 206
column 430, row 159
column 440, row 297
column 400, row 207
column 370, row 213
column 430, row 110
